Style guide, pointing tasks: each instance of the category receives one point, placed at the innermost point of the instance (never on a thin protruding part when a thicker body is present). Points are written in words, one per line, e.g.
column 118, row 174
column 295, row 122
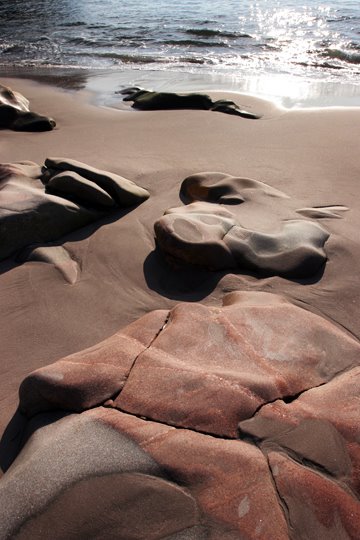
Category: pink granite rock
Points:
column 317, row 507
column 203, row 368
column 229, row 422
column 320, row 427
column 90, row 377
column 229, row 479
column 112, row 475
column 210, row 368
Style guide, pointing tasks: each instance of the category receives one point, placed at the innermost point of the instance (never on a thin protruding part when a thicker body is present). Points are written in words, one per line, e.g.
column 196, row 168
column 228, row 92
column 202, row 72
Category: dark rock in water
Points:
column 15, row 113
column 167, row 395
column 134, row 93
column 123, row 191
column 72, row 185
column 146, row 100
column 129, row 91
column 209, row 234
column 229, row 107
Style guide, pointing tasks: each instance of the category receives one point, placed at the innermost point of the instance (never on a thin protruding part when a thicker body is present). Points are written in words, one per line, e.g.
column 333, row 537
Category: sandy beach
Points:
column 208, row 443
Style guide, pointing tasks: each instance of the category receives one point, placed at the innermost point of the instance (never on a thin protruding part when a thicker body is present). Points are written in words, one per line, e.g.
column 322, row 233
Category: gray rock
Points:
column 123, row 191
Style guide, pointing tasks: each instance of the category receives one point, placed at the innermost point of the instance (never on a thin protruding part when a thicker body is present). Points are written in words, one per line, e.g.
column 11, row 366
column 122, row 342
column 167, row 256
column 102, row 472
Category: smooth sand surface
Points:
column 311, row 156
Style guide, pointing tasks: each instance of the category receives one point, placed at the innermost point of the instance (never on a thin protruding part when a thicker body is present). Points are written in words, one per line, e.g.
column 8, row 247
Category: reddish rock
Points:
column 212, row 367
column 104, row 474
column 90, row 377
column 207, row 368
column 317, row 506
column 321, row 426
column 229, row 479
column 171, row 381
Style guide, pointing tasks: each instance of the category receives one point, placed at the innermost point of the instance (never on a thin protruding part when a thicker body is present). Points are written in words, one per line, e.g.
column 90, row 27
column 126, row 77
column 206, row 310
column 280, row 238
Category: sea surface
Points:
column 286, row 48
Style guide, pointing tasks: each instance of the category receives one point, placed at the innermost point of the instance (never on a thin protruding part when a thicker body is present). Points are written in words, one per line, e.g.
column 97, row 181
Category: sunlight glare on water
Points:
column 303, row 39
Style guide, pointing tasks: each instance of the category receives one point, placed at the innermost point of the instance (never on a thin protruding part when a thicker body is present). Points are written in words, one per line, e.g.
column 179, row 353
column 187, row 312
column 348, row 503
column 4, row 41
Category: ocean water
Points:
column 273, row 44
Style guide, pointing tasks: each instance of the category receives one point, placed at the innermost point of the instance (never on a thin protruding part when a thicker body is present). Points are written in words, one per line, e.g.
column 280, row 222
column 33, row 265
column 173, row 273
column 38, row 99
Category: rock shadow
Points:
column 178, row 282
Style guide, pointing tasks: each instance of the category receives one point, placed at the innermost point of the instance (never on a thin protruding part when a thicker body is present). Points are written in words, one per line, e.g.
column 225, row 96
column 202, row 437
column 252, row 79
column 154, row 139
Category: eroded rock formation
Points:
column 211, row 230
column 74, row 195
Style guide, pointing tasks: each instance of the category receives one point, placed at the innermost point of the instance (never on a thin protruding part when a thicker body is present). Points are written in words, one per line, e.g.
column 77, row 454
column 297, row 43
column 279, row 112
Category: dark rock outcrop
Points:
column 16, row 115
column 146, row 100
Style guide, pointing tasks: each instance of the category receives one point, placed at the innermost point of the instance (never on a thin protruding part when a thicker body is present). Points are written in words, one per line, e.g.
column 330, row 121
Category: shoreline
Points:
column 284, row 91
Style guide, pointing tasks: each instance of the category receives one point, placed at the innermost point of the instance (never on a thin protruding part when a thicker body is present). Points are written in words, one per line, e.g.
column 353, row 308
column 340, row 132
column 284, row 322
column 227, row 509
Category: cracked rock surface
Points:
column 238, row 421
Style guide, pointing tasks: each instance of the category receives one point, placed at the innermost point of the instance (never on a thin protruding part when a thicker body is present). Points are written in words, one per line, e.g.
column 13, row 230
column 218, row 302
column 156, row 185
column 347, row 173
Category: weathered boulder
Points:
column 123, row 191
column 73, row 185
column 328, row 413
column 203, row 235
column 15, row 113
column 33, row 214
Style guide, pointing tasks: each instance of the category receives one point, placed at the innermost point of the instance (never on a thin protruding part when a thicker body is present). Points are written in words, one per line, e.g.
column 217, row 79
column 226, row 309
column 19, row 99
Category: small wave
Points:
column 75, row 23
column 195, row 43
column 193, row 60
column 342, row 18
column 11, row 49
column 345, row 56
column 326, row 65
column 124, row 58
column 208, row 32
column 146, row 59
column 87, row 42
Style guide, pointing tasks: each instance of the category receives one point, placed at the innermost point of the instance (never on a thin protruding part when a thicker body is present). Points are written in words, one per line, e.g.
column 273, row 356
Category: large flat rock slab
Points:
column 217, row 422
column 203, row 368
